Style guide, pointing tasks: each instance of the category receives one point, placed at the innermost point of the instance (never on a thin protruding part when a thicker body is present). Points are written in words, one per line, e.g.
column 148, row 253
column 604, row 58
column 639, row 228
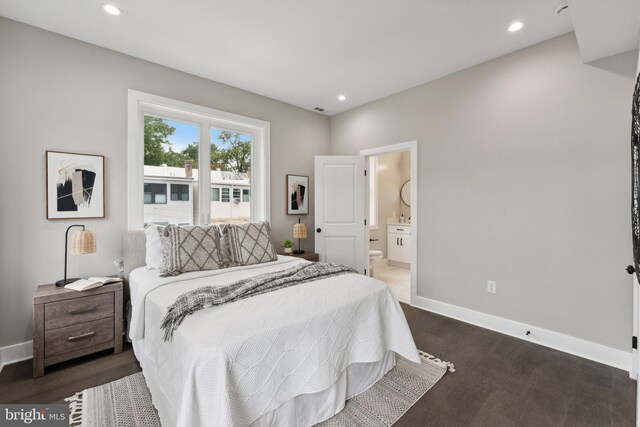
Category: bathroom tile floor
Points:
column 397, row 278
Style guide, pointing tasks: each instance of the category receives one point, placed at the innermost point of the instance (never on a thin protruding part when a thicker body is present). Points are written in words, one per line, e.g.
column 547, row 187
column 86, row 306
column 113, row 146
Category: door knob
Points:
column 319, row 229
column 630, row 269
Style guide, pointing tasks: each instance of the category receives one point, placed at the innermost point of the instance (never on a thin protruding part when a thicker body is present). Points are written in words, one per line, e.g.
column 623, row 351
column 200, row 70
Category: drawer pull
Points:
column 79, row 337
column 82, row 310
column 399, row 229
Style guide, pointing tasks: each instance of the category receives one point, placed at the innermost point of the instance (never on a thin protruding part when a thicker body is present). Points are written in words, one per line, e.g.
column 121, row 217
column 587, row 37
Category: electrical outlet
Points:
column 491, row 286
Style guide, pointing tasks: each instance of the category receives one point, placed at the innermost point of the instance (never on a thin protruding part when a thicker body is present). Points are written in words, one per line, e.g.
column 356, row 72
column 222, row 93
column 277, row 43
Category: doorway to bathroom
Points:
column 391, row 212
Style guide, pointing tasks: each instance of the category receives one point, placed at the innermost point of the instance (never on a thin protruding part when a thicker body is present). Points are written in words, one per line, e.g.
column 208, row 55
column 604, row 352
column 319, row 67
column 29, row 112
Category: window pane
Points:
column 180, row 192
column 155, row 193
column 231, row 166
column 170, row 171
column 215, row 194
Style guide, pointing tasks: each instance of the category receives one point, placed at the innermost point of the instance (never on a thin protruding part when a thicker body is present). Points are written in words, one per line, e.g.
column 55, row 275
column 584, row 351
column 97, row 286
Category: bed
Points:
column 287, row 357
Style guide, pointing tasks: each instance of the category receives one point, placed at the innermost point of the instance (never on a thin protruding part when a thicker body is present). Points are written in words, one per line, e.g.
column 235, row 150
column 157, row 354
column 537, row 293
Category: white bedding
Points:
column 232, row 364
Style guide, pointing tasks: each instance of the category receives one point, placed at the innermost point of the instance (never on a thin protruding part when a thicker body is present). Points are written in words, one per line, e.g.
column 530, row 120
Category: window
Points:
column 225, row 195
column 215, row 194
column 180, row 192
column 231, row 157
column 155, row 194
column 246, row 195
column 171, row 140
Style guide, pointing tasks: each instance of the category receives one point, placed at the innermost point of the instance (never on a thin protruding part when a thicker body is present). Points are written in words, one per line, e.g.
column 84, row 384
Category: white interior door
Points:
column 340, row 210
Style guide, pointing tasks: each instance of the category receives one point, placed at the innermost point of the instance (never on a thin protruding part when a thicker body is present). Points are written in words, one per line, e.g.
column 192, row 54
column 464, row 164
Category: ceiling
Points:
column 306, row 53
column 605, row 28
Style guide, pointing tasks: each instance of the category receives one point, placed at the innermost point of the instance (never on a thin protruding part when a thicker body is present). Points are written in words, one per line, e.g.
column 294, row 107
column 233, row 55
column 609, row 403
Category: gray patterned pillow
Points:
column 247, row 244
column 190, row 248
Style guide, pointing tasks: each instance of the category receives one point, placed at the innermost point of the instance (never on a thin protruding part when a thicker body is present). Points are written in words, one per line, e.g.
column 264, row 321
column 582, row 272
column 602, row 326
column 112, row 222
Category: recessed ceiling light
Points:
column 516, row 26
column 341, row 98
column 111, row 9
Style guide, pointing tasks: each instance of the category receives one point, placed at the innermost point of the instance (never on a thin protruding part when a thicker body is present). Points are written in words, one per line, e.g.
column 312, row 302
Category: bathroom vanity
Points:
column 399, row 244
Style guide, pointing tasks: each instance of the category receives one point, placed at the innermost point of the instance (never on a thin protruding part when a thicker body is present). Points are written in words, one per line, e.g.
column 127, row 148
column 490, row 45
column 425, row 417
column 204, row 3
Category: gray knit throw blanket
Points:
column 210, row 296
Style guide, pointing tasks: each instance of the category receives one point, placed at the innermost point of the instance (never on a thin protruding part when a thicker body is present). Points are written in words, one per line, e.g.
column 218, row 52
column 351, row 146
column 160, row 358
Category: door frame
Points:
column 412, row 147
column 635, row 354
column 633, row 373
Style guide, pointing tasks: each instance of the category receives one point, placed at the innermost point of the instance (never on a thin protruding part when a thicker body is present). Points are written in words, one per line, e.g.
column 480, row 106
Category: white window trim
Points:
column 141, row 104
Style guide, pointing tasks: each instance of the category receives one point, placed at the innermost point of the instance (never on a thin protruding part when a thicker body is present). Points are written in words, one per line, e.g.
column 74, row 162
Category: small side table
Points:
column 69, row 324
column 309, row 256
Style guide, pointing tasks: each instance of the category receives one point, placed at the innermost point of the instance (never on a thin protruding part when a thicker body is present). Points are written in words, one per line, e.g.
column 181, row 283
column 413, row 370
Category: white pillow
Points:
column 153, row 258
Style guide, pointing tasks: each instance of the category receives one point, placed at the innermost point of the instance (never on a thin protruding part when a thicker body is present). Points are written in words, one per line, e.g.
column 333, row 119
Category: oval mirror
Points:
column 405, row 193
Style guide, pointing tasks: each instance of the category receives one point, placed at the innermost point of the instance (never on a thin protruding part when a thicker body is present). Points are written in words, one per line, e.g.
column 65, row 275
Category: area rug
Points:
column 127, row 401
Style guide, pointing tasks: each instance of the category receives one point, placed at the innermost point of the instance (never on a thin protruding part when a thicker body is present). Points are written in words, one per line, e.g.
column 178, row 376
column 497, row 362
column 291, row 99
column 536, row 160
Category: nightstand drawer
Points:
column 78, row 310
column 75, row 337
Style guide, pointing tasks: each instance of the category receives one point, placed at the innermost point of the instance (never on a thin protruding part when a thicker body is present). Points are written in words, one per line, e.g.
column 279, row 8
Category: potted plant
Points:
column 287, row 245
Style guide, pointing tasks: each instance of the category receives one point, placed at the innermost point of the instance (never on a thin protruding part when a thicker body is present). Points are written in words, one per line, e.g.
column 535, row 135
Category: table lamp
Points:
column 82, row 242
column 299, row 232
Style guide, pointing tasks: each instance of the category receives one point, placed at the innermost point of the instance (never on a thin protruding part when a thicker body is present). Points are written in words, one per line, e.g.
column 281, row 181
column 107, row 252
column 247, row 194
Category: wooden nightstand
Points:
column 69, row 324
column 309, row 256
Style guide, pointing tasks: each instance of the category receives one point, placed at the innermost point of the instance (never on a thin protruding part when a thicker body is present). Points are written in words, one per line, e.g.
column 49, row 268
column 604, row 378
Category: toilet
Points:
column 374, row 256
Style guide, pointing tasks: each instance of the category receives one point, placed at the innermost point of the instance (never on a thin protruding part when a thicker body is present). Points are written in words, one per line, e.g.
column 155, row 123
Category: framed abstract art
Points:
column 75, row 185
column 297, row 195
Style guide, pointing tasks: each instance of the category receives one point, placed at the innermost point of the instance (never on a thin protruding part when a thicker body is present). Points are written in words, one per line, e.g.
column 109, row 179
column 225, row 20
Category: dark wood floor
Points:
column 504, row 381
column 499, row 381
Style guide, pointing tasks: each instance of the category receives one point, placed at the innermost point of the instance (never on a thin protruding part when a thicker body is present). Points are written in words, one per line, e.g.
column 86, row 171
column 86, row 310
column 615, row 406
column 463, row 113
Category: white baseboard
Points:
column 15, row 353
column 589, row 350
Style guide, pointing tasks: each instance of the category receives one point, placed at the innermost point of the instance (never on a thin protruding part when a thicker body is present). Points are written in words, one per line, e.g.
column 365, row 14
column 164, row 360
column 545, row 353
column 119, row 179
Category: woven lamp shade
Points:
column 83, row 242
column 299, row 231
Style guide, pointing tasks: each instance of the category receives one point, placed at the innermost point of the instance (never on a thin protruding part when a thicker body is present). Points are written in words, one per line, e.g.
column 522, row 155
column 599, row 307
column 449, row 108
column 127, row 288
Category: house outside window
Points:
column 225, row 195
column 236, row 195
column 246, row 195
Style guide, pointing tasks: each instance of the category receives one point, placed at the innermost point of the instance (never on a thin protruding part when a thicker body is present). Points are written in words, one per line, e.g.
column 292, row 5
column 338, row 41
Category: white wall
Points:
column 524, row 178
column 638, row 64
column 57, row 93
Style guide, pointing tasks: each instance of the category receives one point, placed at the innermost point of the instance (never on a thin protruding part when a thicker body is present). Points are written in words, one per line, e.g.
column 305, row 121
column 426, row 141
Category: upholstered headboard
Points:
column 135, row 249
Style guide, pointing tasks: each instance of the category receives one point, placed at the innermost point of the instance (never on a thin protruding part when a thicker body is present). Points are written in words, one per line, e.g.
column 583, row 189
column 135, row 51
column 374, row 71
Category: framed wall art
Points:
column 297, row 195
column 75, row 185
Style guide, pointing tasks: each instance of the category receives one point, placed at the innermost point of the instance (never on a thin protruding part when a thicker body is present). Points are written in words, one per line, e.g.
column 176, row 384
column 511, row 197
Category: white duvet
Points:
column 231, row 364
